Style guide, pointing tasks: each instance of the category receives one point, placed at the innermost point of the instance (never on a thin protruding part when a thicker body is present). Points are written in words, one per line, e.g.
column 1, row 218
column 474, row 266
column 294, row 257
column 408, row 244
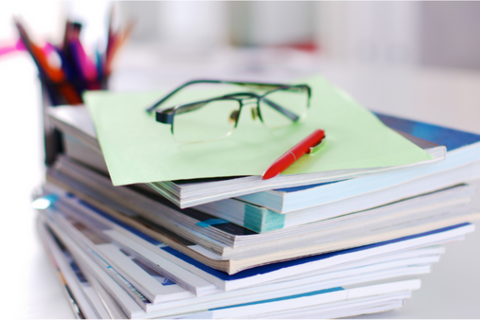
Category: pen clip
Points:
column 316, row 147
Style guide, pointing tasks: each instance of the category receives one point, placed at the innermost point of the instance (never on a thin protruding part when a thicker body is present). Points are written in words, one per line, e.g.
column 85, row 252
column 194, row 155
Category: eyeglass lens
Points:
column 205, row 121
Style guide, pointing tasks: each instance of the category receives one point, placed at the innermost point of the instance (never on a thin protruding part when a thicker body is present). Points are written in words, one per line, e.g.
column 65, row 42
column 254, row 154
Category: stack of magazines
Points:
column 306, row 246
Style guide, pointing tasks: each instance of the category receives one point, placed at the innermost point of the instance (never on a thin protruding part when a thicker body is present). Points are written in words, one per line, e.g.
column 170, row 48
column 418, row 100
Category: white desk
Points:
column 30, row 289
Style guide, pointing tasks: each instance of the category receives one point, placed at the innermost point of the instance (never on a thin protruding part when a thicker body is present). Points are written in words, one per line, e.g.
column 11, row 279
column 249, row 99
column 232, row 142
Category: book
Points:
column 126, row 239
column 71, row 284
column 261, row 219
column 319, row 300
column 84, row 299
column 463, row 148
column 415, row 261
column 460, row 166
column 204, row 261
column 82, row 146
column 365, row 297
column 250, row 216
column 361, row 306
column 228, row 241
column 117, row 255
column 300, row 223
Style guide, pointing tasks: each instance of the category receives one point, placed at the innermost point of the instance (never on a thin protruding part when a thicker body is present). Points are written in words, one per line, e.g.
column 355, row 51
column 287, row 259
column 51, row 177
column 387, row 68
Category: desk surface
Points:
column 450, row 98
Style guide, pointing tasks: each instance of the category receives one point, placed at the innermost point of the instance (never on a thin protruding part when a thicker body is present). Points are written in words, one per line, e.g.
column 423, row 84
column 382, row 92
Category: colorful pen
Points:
column 292, row 155
column 51, row 73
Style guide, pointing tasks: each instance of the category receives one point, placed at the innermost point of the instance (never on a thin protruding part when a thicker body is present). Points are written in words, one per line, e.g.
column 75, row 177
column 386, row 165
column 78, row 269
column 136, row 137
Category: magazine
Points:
column 289, row 268
column 295, row 297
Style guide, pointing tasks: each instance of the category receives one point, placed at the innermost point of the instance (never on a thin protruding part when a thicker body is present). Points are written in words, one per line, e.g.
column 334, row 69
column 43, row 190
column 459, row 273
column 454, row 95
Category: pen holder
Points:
column 51, row 97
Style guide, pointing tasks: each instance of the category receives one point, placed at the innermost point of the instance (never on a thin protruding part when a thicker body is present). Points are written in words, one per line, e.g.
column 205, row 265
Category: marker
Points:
column 292, row 155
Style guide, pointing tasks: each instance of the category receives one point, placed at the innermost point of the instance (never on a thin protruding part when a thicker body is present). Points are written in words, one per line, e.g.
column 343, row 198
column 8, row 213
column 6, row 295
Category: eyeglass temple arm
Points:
column 258, row 86
column 287, row 113
column 166, row 115
column 253, row 85
column 159, row 102
column 292, row 116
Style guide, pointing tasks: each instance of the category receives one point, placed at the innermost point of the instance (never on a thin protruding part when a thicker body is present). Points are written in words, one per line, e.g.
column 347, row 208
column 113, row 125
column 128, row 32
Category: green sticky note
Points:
column 137, row 149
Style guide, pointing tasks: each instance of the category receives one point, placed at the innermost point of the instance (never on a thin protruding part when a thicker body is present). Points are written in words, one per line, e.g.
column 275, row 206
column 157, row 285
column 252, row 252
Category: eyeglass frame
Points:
column 166, row 115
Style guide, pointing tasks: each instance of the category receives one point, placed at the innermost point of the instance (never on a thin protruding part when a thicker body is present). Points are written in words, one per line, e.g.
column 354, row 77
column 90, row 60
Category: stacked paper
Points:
column 342, row 234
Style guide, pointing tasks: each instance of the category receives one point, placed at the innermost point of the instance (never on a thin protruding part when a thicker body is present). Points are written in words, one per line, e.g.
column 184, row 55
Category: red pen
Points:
column 292, row 155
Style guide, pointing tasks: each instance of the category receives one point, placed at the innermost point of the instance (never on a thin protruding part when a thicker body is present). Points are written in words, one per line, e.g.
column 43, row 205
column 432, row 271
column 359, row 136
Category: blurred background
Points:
column 174, row 40
column 269, row 40
column 430, row 33
column 418, row 60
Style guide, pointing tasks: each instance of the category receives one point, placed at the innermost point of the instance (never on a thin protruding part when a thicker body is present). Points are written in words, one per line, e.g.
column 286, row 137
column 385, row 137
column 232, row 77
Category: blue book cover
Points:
column 454, row 140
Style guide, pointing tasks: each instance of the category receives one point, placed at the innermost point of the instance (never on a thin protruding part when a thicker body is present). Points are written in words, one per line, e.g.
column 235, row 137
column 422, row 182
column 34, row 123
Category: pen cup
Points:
column 52, row 96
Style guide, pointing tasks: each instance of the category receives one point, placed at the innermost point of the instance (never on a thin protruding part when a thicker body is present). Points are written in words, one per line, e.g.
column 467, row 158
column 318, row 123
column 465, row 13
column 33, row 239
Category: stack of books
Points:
column 315, row 245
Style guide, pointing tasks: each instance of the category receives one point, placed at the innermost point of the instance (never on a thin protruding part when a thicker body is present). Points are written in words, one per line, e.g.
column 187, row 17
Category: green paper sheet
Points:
column 137, row 149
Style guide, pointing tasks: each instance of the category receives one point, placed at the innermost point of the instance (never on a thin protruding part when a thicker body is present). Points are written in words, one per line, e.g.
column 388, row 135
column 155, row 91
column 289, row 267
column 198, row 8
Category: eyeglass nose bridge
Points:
column 252, row 100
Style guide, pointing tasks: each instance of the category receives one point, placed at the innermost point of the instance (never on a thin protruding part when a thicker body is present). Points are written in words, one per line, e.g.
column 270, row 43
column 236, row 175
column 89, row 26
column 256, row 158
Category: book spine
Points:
column 260, row 219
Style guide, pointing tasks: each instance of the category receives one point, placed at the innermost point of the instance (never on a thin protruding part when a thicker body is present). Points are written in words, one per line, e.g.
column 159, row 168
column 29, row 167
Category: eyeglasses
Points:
column 216, row 117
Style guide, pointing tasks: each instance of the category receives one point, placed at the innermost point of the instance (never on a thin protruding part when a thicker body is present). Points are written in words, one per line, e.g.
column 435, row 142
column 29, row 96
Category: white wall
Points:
column 43, row 19
column 177, row 24
column 369, row 31
column 280, row 22
column 217, row 23
column 407, row 33
column 450, row 34
column 193, row 24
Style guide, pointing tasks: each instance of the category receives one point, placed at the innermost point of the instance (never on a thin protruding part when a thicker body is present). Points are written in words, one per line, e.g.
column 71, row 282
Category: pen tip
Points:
column 268, row 175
